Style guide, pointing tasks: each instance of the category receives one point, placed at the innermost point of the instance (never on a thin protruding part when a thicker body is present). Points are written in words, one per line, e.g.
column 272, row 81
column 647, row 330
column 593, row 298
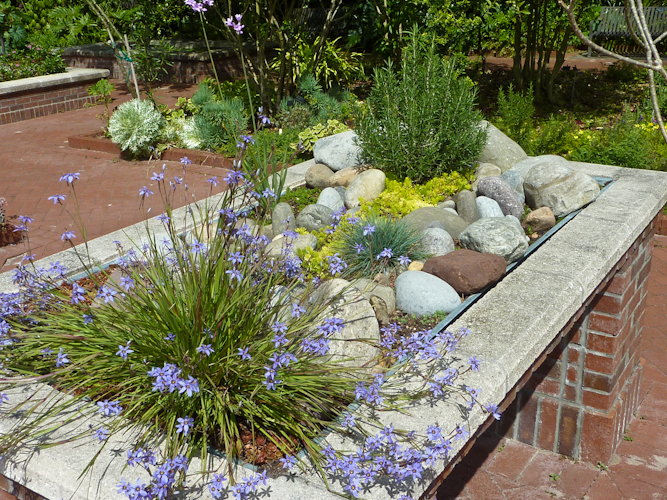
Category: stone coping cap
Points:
column 512, row 324
column 72, row 75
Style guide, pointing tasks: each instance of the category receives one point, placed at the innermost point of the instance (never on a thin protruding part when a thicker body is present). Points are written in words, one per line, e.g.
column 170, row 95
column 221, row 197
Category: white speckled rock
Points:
column 436, row 242
column 502, row 236
column 488, row 207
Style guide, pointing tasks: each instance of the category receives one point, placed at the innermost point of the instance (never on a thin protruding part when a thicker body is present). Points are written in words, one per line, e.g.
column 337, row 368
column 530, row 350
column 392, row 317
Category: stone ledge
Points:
column 512, row 325
column 73, row 75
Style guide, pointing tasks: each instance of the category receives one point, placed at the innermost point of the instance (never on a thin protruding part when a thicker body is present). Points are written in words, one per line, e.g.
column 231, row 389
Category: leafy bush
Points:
column 375, row 244
column 299, row 198
column 135, row 126
column 401, row 198
column 516, row 113
column 626, row 144
column 558, row 135
column 30, row 61
column 310, row 136
column 422, row 121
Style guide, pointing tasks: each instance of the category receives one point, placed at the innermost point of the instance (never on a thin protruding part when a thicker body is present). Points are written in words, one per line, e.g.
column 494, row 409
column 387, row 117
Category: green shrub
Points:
column 516, row 113
column 422, row 121
column 299, row 198
column 626, row 144
column 29, row 61
column 310, row 136
column 135, row 126
column 558, row 135
column 361, row 245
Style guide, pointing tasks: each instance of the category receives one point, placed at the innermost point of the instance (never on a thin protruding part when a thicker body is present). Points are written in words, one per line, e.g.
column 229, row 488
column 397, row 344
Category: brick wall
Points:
column 21, row 106
column 580, row 399
column 580, row 394
column 9, row 490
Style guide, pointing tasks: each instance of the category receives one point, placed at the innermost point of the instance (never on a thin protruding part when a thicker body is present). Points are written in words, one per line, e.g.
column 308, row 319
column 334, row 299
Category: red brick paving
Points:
column 34, row 154
column 509, row 470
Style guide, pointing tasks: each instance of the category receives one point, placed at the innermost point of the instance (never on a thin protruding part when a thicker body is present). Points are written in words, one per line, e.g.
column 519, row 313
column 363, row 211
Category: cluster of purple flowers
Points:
column 244, row 488
column 198, row 6
column 168, row 378
column 163, row 477
column 233, row 22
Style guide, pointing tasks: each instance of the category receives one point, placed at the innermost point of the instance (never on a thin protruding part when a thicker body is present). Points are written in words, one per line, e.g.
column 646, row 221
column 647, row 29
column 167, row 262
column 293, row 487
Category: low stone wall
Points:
column 45, row 95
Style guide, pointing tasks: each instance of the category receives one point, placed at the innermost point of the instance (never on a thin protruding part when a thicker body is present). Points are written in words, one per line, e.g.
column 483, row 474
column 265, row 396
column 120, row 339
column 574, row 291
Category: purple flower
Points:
column 61, row 360
column 369, row 229
column 205, row 349
column 493, row 409
column 268, row 193
column 184, row 425
column 101, row 434
column 461, row 434
column 404, row 260
column 157, row 177
column 185, row 161
column 108, row 408
column 297, row 310
column 145, row 192
column 189, row 386
column 124, row 350
column 244, row 353
column 87, row 319
column 69, row 178
column 3, row 398
column 25, row 219
column 107, row 294
column 138, row 490
column 58, row 198
column 264, row 120
column 288, row 462
column 336, row 264
column 386, row 253
column 234, row 273
column 474, row 363
column 170, row 336
column 47, row 351
column 213, row 180
column 360, row 248
column 216, row 487
column 67, row 236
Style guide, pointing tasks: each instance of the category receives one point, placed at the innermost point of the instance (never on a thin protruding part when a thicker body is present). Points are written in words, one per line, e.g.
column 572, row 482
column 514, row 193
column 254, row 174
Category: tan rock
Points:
column 540, row 220
column 417, row 265
column 343, row 177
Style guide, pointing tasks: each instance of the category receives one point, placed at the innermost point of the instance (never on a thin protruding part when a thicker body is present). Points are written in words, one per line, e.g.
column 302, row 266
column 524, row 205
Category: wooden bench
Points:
column 612, row 23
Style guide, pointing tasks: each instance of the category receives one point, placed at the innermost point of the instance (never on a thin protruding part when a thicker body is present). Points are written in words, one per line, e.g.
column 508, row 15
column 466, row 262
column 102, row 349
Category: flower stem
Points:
column 210, row 55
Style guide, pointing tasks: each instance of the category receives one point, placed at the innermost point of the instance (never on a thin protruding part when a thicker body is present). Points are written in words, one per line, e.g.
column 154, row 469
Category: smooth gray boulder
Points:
column 301, row 242
column 367, row 185
column 447, row 204
column 487, row 170
column 341, row 191
column 370, row 288
column 426, row 217
column 502, row 236
column 488, row 208
column 466, row 206
column 515, row 179
column 356, row 342
column 500, row 150
column 330, row 197
column 423, row 294
column 559, row 187
column 314, row 217
column 499, row 190
column 436, row 242
column 451, row 210
column 318, row 176
column 282, row 218
column 338, row 151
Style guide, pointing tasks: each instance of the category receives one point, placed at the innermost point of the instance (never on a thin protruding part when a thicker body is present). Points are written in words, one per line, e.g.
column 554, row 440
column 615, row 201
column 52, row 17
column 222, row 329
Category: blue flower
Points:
column 474, row 363
column 58, row 198
column 157, row 177
column 386, row 253
column 184, row 425
column 67, row 235
column 360, row 248
column 107, row 294
column 493, row 409
column 297, row 310
column 145, row 192
column 205, row 349
column 369, row 229
column 288, row 462
column 404, row 260
column 124, row 350
column 101, row 434
column 170, row 336
column 61, row 360
column 87, row 319
column 244, row 353
column 213, row 180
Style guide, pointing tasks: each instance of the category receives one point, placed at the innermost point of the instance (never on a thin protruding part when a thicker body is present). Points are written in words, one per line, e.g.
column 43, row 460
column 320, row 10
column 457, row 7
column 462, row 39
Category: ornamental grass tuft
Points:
column 376, row 244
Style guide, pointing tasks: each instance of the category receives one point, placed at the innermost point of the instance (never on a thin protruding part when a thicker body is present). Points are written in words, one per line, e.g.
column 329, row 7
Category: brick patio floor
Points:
column 505, row 469
column 34, row 154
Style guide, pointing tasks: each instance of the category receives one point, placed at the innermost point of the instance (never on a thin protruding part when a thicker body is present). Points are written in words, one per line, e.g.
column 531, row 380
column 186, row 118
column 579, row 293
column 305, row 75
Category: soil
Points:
column 9, row 235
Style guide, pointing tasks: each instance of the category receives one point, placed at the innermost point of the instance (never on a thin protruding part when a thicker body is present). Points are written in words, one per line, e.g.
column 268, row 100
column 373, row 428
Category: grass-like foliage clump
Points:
column 193, row 343
column 376, row 244
column 422, row 120
column 135, row 126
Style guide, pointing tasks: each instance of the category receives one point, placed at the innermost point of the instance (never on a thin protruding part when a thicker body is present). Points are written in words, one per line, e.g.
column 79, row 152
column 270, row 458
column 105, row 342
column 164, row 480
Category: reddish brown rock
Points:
column 467, row 271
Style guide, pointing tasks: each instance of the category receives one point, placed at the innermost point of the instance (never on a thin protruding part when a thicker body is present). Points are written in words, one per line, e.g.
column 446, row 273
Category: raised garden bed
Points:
column 44, row 95
column 567, row 286
column 97, row 142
